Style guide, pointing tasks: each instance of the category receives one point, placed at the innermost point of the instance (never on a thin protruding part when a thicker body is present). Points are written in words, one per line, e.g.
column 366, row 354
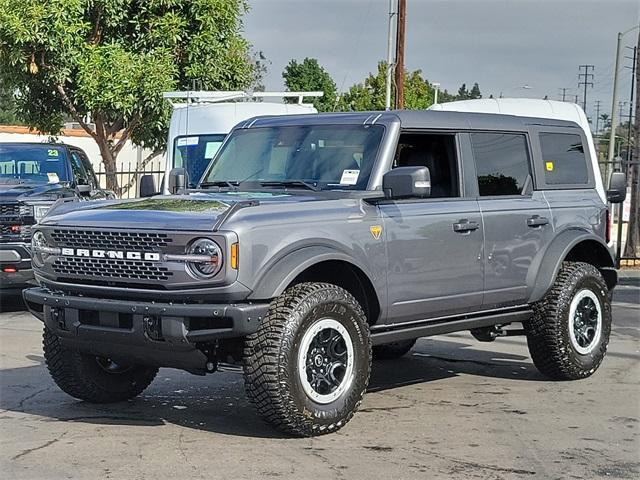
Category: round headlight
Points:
column 206, row 248
column 38, row 242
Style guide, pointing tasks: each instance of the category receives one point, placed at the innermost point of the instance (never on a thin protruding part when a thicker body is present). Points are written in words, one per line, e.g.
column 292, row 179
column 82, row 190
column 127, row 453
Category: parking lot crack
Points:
column 40, row 447
column 29, row 397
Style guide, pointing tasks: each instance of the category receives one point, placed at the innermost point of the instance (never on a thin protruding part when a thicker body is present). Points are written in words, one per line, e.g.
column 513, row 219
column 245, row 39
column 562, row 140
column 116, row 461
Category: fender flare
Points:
column 548, row 263
column 275, row 278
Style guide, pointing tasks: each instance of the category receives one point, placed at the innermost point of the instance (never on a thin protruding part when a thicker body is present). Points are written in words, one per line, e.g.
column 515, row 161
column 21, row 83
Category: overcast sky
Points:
column 501, row 44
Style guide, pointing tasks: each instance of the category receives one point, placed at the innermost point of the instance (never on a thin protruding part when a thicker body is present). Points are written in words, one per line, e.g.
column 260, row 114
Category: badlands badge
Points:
column 376, row 231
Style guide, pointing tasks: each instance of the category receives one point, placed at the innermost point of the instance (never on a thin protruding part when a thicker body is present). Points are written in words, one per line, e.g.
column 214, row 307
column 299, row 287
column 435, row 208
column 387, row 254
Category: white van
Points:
column 201, row 120
column 531, row 107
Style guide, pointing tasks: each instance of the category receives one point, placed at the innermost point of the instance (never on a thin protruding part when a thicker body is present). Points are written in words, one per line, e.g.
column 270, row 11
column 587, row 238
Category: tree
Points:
column 370, row 95
column 7, row 106
column 475, row 92
column 309, row 76
column 112, row 59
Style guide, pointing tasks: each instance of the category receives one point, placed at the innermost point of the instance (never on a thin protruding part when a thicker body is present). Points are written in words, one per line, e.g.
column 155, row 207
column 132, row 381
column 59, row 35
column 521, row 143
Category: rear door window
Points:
column 502, row 163
column 563, row 159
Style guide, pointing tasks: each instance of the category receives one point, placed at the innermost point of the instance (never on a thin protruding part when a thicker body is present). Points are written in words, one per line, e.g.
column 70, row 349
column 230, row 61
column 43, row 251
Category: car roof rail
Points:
column 186, row 97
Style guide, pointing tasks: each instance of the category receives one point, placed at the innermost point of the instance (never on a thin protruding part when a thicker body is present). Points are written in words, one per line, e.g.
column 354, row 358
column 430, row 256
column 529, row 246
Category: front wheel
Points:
column 307, row 367
column 90, row 378
column 569, row 331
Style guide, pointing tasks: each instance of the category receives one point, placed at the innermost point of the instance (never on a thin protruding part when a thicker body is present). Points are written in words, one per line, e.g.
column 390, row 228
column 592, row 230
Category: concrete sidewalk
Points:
column 629, row 276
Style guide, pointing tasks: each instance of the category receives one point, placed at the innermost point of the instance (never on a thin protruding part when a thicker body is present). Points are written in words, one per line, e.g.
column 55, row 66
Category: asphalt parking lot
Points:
column 453, row 408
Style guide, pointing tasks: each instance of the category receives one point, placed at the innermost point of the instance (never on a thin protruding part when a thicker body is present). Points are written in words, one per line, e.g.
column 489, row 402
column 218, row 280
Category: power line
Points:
column 585, row 79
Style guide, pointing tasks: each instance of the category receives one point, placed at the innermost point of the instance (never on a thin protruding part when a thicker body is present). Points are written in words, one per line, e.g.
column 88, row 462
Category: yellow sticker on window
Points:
column 549, row 166
column 52, row 152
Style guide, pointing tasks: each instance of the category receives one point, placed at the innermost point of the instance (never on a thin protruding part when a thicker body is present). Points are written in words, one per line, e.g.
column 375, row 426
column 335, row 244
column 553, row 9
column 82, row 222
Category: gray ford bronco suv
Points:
column 314, row 243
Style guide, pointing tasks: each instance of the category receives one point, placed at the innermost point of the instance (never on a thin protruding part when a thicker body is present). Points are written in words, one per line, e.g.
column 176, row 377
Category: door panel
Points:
column 515, row 229
column 432, row 269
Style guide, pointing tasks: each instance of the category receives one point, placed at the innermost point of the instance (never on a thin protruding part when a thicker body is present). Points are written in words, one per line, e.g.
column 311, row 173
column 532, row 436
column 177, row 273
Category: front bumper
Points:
column 17, row 256
column 143, row 333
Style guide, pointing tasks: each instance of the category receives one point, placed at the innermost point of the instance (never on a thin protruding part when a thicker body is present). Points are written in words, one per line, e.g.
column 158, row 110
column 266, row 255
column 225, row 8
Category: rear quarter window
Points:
column 563, row 159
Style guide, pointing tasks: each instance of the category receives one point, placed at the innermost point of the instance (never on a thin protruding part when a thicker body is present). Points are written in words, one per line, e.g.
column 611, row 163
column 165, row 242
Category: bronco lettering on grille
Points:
column 114, row 254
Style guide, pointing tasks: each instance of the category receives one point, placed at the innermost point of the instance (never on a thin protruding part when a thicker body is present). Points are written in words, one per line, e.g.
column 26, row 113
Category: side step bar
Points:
column 392, row 333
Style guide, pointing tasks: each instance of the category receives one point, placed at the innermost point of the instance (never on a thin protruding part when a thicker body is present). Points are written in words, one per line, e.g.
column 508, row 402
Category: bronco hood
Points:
column 194, row 211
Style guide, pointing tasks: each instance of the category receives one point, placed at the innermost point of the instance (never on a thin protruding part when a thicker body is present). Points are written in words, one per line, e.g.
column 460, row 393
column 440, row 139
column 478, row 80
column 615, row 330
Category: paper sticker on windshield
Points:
column 549, row 166
column 52, row 152
column 53, row 177
column 184, row 141
column 349, row 177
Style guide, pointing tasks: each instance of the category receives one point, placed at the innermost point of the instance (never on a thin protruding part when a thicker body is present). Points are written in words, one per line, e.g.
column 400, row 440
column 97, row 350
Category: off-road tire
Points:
column 81, row 376
column 548, row 336
column 272, row 381
column 391, row 351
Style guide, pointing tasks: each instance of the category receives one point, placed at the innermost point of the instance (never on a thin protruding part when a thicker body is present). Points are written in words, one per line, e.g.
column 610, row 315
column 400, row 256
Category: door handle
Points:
column 537, row 221
column 464, row 225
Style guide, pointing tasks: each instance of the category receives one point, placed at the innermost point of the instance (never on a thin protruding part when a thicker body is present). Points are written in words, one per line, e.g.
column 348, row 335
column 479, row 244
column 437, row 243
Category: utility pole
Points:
column 614, row 99
column 585, row 79
column 598, row 102
column 400, row 34
column 390, row 63
column 633, row 76
column 621, row 105
column 564, row 93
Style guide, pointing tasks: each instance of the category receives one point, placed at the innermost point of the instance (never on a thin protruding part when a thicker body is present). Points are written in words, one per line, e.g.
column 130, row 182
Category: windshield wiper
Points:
column 290, row 183
column 220, row 183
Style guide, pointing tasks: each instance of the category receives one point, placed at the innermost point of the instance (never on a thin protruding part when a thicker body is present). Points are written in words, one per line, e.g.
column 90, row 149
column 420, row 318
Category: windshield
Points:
column 328, row 157
column 194, row 153
column 33, row 163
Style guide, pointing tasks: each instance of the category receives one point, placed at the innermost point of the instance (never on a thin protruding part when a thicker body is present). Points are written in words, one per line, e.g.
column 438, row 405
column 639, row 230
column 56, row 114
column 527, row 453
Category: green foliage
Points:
column 464, row 94
column 309, row 76
column 7, row 107
column 418, row 92
column 114, row 58
column 370, row 95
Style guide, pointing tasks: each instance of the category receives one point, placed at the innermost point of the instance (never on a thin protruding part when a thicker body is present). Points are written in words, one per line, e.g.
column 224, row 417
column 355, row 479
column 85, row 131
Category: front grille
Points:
column 131, row 241
column 9, row 209
column 109, row 268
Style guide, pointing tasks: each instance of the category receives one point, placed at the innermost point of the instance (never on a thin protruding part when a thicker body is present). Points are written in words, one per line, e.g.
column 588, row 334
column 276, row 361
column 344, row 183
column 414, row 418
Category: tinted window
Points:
column 563, row 159
column 76, row 166
column 195, row 153
column 502, row 162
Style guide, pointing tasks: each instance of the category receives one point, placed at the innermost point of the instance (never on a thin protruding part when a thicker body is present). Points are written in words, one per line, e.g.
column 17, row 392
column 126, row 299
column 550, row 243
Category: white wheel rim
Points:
column 310, row 359
column 585, row 331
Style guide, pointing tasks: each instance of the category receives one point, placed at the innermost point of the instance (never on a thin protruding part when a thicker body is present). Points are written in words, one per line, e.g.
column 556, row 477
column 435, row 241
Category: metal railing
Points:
column 129, row 177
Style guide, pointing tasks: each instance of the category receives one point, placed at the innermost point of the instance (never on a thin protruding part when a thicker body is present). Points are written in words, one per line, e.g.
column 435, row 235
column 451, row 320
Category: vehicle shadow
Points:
column 12, row 302
column 217, row 403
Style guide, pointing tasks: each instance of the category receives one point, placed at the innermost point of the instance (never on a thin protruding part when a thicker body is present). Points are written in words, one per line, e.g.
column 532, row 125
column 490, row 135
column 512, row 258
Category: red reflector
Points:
column 9, row 269
column 14, row 228
column 608, row 232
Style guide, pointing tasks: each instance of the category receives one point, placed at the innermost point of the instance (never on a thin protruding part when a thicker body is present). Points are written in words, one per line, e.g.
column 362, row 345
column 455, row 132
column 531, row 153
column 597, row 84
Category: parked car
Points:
column 201, row 121
column 32, row 177
column 315, row 243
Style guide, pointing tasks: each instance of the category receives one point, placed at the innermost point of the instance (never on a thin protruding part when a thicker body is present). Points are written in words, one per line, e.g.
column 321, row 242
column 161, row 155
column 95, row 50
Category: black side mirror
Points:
column 407, row 182
column 617, row 191
column 178, row 180
column 147, row 186
column 83, row 188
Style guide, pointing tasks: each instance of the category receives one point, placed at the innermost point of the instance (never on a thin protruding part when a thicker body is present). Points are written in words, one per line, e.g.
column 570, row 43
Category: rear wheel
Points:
column 569, row 331
column 307, row 367
column 390, row 351
column 90, row 378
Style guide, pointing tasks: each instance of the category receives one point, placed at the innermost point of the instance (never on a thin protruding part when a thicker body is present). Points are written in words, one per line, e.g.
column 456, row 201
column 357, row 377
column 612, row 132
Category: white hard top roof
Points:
column 531, row 107
column 521, row 107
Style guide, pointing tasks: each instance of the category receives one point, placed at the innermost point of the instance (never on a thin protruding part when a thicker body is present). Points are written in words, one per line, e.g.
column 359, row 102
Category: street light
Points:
column 435, row 94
